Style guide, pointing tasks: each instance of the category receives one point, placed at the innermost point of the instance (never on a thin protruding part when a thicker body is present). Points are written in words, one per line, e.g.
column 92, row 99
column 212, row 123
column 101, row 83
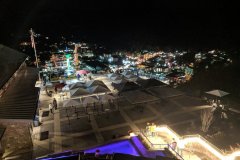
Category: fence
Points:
column 157, row 146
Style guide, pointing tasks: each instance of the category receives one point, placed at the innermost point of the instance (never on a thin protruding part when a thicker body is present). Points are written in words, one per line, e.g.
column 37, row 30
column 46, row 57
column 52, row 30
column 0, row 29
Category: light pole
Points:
column 32, row 34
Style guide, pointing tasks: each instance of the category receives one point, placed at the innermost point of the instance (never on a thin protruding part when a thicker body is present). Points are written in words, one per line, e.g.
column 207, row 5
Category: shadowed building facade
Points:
column 18, row 103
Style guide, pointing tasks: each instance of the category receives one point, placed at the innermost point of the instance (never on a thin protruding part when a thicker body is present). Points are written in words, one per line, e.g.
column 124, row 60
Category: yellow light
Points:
column 233, row 155
column 168, row 131
column 204, row 144
column 197, row 139
column 132, row 134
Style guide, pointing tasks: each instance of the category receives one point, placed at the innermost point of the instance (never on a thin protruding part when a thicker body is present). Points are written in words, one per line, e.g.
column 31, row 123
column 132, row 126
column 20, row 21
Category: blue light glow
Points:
column 124, row 146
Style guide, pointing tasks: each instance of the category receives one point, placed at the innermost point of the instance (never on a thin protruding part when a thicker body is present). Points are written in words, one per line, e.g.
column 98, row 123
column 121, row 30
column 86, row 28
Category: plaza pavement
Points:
column 77, row 133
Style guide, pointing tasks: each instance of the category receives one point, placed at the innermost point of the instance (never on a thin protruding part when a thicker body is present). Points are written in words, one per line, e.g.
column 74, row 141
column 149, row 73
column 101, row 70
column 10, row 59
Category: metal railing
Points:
column 203, row 139
column 175, row 153
column 159, row 146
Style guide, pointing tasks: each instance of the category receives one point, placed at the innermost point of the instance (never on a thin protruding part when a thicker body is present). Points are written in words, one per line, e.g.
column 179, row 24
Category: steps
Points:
column 143, row 150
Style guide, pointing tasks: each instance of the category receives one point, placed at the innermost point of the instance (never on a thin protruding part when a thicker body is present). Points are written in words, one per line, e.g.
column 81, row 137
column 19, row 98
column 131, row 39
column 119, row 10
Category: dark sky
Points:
column 124, row 22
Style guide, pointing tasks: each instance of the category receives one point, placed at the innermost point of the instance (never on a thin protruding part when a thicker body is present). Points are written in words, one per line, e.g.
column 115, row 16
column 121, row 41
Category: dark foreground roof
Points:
column 119, row 156
column 10, row 60
column 2, row 130
column 20, row 99
column 70, row 155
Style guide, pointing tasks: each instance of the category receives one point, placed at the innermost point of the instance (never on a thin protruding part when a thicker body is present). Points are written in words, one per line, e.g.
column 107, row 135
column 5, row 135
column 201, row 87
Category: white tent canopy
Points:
column 71, row 102
column 135, row 79
column 126, row 73
column 98, row 89
column 66, row 87
column 218, row 93
column 116, row 78
column 120, row 81
column 88, row 100
column 130, row 76
column 94, row 83
column 49, row 84
column 77, row 92
column 76, row 85
column 112, row 75
column 106, row 97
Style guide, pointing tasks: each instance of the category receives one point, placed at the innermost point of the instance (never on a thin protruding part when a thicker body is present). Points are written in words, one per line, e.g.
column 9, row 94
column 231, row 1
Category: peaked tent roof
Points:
column 90, row 99
column 128, row 86
column 112, row 75
column 135, row 79
column 94, row 83
column 164, row 92
column 120, row 81
column 10, row 60
column 130, row 76
column 77, row 92
column 76, row 85
column 98, row 89
column 106, row 97
column 146, row 83
column 218, row 93
column 71, row 102
column 137, row 96
column 116, row 78
column 125, row 73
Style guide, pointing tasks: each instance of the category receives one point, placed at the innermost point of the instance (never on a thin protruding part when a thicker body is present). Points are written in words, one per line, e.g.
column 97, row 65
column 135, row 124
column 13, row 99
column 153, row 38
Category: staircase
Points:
column 143, row 150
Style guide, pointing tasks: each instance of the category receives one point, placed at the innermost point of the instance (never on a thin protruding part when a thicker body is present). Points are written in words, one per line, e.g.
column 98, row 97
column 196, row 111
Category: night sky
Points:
column 122, row 23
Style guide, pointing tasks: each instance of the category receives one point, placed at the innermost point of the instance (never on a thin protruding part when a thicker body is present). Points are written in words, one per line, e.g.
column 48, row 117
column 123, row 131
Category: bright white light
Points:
column 197, row 139
column 132, row 134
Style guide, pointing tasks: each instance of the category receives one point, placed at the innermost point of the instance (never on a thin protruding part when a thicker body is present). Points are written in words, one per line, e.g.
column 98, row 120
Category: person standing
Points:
column 153, row 129
column 50, row 106
column 78, row 76
column 174, row 144
column 55, row 103
column 97, row 153
column 148, row 129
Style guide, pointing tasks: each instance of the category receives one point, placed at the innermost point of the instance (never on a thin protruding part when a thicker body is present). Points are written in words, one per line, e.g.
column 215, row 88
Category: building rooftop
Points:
column 20, row 99
column 2, row 130
column 10, row 60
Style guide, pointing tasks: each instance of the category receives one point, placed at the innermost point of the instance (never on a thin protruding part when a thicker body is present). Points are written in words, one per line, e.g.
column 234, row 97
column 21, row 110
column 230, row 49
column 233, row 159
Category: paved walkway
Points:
column 163, row 138
column 78, row 133
column 57, row 130
column 64, row 131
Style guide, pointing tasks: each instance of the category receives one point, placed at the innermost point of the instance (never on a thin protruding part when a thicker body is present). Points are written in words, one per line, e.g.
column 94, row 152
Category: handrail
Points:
column 199, row 136
column 176, row 153
column 168, row 146
column 146, row 138
column 202, row 141
column 152, row 144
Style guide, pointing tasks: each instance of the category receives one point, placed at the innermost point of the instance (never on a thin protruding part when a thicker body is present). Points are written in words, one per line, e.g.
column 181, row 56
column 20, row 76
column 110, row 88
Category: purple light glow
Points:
column 58, row 158
column 144, row 151
column 123, row 146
